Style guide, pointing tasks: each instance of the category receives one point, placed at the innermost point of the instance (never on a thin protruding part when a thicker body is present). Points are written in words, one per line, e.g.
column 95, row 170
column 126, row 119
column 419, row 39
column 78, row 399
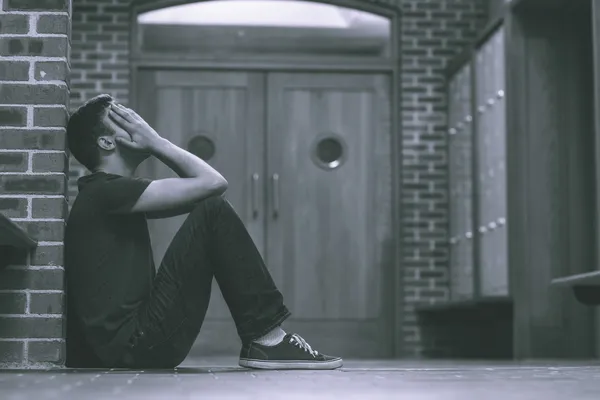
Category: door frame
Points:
column 393, row 311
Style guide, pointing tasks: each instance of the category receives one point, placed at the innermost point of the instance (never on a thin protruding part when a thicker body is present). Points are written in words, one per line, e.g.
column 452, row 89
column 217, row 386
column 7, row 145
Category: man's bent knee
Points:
column 211, row 202
column 211, row 205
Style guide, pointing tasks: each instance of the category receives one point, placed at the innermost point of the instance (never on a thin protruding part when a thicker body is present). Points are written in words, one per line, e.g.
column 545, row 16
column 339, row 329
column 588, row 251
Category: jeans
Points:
column 212, row 242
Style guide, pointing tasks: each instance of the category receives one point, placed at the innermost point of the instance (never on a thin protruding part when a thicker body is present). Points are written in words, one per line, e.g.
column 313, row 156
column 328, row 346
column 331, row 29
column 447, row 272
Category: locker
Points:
column 491, row 153
column 460, row 149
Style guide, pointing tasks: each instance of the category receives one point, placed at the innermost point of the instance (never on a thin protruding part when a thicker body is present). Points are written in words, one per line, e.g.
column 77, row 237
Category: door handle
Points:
column 254, row 193
column 275, row 188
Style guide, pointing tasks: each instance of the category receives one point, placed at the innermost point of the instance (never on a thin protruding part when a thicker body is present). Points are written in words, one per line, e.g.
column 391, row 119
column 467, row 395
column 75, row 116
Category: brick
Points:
column 49, row 208
column 115, row 85
column 434, row 293
column 117, row 9
column 12, row 352
column 76, row 99
column 99, row 75
column 51, row 71
column 115, row 28
column 444, row 34
column 46, row 303
column 18, row 93
column 12, row 303
column 44, row 231
column 33, row 327
column 433, row 274
column 458, row 25
column 430, row 43
column 427, row 6
column 85, row 85
column 14, row 24
column 56, row 24
column 98, row 56
column 13, row 207
column 36, row 5
column 14, row 161
column 49, row 162
column 31, row 184
column 427, row 24
column 13, row 116
column 102, row 18
column 33, row 139
column 115, row 66
column 50, row 117
column 84, row 27
column 443, row 14
column 107, row 39
column 27, row 46
column 14, row 70
column 85, row 9
column 47, row 352
column 48, row 255
column 45, row 279
column 42, row 256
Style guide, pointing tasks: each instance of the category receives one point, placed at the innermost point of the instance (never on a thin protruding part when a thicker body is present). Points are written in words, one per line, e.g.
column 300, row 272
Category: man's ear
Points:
column 106, row 143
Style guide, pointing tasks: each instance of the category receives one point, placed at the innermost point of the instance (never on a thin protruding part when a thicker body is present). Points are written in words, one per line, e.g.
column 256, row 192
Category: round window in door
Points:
column 202, row 146
column 329, row 151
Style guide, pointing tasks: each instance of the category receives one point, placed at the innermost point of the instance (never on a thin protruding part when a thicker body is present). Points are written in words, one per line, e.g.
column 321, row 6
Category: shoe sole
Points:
column 260, row 364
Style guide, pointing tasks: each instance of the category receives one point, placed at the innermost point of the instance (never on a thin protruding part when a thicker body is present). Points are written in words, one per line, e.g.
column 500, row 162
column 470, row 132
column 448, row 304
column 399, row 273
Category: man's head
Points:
column 91, row 134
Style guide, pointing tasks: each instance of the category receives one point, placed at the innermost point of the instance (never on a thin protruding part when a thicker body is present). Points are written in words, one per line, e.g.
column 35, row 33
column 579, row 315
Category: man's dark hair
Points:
column 85, row 126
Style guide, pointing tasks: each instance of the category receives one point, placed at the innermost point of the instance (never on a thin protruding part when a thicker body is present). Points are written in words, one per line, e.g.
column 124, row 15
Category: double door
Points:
column 308, row 160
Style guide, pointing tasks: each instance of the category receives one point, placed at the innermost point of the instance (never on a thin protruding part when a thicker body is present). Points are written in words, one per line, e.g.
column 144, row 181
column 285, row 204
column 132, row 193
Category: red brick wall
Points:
column 433, row 32
column 34, row 98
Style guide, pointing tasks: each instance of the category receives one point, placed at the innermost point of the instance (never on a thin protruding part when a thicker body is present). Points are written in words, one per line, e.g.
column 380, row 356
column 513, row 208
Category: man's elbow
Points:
column 209, row 186
column 221, row 186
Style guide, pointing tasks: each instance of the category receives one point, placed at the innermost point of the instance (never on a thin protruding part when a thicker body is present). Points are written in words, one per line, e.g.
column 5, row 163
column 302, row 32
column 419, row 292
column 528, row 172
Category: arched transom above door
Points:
column 285, row 13
column 265, row 27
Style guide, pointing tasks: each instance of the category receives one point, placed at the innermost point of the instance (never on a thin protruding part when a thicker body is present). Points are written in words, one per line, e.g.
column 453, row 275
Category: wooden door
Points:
column 225, row 108
column 326, row 234
column 329, row 222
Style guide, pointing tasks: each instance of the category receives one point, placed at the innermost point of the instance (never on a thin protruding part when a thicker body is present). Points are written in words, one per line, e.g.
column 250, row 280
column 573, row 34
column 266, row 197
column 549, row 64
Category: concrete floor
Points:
column 397, row 379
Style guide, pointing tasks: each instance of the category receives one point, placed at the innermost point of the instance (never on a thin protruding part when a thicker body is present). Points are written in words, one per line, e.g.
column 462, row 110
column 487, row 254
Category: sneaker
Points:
column 292, row 353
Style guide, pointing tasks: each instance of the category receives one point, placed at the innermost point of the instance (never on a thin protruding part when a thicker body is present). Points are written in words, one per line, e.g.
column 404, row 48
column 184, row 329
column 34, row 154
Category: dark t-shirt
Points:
column 109, row 267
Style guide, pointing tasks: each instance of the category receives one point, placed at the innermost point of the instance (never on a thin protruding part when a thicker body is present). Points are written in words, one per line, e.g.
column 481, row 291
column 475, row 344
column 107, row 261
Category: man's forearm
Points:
column 184, row 163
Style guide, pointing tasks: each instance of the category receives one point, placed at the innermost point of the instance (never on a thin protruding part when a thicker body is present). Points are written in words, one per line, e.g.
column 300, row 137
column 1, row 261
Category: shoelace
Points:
column 300, row 342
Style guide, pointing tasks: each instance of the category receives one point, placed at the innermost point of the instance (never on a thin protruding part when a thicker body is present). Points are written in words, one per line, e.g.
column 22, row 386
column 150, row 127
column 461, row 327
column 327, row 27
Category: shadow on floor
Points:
column 179, row 370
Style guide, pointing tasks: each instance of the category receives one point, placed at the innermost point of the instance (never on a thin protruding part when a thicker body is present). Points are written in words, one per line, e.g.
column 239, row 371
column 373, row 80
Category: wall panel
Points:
column 491, row 159
column 460, row 184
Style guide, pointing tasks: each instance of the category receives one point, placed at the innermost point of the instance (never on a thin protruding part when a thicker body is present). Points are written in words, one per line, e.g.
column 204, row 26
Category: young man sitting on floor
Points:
column 120, row 312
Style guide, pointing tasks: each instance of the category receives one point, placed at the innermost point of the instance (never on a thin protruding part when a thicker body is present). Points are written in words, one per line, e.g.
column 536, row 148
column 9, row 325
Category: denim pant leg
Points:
column 212, row 242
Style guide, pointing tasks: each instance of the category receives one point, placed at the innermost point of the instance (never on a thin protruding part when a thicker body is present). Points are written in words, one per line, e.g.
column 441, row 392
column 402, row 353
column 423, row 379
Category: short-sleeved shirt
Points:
column 109, row 268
